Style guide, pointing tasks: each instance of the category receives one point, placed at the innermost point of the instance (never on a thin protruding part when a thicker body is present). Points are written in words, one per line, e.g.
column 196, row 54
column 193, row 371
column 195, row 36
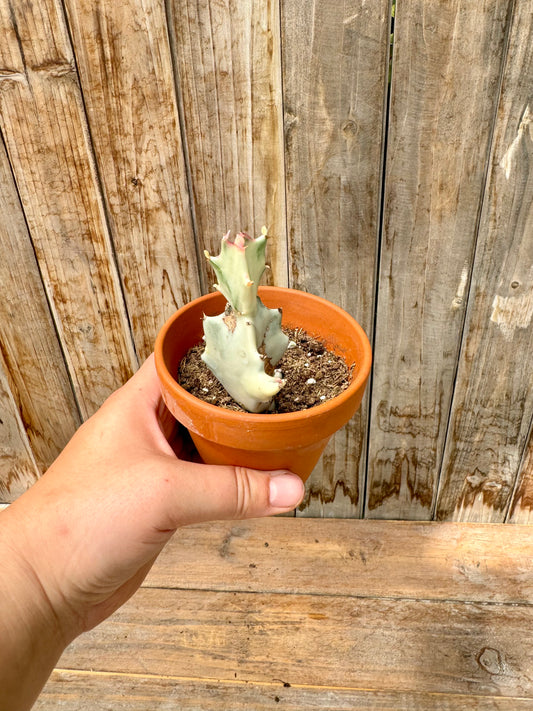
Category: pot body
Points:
column 292, row 441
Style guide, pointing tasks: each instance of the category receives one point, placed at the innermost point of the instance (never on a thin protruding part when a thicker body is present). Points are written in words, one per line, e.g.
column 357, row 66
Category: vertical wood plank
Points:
column 34, row 364
column 18, row 470
column 123, row 57
column 493, row 402
column 521, row 509
column 335, row 75
column 228, row 60
column 43, row 122
column 446, row 69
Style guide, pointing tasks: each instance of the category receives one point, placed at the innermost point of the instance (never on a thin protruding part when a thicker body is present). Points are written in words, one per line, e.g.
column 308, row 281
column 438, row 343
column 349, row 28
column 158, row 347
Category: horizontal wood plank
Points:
column 393, row 559
column 77, row 691
column 324, row 640
column 254, row 629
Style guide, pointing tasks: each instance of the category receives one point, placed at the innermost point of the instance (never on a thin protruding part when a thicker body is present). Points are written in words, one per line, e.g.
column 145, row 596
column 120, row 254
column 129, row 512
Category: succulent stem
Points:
column 247, row 336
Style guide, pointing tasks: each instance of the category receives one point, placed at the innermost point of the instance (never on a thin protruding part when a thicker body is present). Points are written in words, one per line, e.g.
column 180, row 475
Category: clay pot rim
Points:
column 233, row 416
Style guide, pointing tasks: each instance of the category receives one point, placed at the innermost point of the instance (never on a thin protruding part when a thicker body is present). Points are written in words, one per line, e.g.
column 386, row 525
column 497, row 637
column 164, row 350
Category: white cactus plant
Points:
column 244, row 344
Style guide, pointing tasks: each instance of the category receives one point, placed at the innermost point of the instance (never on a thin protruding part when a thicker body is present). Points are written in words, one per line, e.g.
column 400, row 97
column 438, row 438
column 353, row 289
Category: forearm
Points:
column 31, row 638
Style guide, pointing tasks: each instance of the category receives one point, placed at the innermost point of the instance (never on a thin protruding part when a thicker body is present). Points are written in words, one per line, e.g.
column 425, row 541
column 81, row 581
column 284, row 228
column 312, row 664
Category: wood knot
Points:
column 490, row 660
column 56, row 68
column 349, row 129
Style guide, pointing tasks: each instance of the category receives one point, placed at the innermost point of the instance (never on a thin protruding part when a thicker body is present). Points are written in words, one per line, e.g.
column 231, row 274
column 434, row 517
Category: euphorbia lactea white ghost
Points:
column 245, row 343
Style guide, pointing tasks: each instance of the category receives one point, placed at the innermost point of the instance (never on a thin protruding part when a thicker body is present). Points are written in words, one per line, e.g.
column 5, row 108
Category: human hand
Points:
column 90, row 529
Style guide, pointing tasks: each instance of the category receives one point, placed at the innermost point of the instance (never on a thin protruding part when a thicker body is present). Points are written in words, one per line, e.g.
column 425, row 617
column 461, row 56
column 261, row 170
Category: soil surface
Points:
column 313, row 375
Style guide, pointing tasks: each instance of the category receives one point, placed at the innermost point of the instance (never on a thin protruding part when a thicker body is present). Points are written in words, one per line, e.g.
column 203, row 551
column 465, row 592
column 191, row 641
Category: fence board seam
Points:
column 204, row 286
column 100, row 185
column 46, row 295
column 341, row 596
column 45, row 292
column 468, row 289
column 528, row 443
column 379, row 237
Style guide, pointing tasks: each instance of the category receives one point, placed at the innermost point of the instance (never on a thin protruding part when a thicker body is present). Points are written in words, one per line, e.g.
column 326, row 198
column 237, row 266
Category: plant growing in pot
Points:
column 244, row 329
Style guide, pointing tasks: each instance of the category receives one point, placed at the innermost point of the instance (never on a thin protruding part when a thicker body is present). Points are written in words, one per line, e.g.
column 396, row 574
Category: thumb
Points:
column 204, row 492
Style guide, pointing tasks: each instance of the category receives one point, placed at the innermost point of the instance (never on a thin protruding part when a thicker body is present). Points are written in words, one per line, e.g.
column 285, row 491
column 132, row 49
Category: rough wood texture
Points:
column 229, row 67
column 42, row 119
column 445, row 82
column 401, row 645
column 16, row 457
column 403, row 559
column 493, row 400
column 123, row 56
column 38, row 379
column 198, row 634
column 103, row 691
column 335, row 73
column 136, row 133
column 521, row 510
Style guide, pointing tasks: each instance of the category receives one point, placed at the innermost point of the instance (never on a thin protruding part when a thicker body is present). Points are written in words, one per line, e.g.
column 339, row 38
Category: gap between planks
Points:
column 93, row 673
column 399, row 560
column 228, row 587
column 385, row 598
column 215, row 695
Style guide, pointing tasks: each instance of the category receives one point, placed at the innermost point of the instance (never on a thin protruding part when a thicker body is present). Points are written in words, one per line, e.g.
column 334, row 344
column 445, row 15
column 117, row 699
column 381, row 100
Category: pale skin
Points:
column 79, row 543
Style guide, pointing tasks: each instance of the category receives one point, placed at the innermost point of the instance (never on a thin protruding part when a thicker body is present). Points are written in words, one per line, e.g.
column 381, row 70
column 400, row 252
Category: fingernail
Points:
column 286, row 490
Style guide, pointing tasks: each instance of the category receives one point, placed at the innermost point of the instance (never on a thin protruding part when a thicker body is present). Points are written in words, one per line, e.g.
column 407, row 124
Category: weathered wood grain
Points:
column 334, row 86
column 18, row 469
column 233, row 620
column 228, row 62
column 394, row 645
column 395, row 559
column 34, row 365
column 493, row 401
column 43, row 124
column 272, row 113
column 521, row 509
column 123, row 57
column 445, row 81
column 76, row 691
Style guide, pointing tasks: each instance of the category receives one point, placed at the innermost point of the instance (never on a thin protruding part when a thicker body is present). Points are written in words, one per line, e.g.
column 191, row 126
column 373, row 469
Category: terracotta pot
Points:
column 291, row 441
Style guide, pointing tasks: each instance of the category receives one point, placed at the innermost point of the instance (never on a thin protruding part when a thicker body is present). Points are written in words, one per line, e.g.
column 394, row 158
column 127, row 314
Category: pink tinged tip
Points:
column 239, row 241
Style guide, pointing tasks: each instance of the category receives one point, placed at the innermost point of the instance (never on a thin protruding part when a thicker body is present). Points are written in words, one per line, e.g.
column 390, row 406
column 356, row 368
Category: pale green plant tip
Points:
column 240, row 341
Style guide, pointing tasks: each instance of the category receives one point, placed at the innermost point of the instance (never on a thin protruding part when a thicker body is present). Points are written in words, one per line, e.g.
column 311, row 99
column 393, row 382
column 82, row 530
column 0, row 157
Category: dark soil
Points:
column 313, row 375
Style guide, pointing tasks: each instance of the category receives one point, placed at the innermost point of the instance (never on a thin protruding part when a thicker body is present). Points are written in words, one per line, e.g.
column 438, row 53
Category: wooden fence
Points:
column 136, row 132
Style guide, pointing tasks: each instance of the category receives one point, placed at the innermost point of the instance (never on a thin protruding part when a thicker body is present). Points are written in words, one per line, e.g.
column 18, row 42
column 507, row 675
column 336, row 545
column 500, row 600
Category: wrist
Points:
column 32, row 632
